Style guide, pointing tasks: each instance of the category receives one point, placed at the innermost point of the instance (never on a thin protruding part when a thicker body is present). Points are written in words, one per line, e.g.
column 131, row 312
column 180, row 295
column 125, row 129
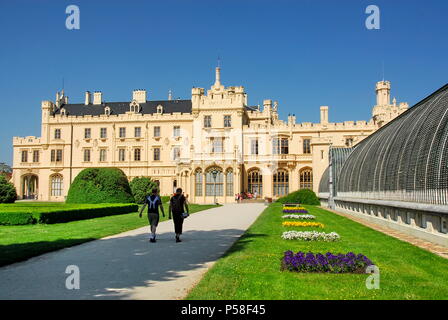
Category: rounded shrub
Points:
column 303, row 196
column 141, row 187
column 8, row 192
column 100, row 185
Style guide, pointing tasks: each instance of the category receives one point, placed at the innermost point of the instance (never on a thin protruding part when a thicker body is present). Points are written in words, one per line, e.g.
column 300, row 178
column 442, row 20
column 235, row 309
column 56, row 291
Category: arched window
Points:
column 134, row 107
column 107, row 111
column 306, row 178
column 56, row 185
column 229, row 182
column 281, row 183
column 198, row 182
column 255, row 182
column 63, row 112
column 214, row 182
column 159, row 109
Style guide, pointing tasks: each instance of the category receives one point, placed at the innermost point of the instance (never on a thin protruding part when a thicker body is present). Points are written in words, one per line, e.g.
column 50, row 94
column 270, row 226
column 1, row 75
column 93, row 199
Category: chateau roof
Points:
column 149, row 107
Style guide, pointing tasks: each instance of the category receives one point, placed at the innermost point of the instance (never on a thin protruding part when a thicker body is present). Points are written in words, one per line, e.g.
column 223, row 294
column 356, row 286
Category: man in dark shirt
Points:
column 153, row 202
column 178, row 206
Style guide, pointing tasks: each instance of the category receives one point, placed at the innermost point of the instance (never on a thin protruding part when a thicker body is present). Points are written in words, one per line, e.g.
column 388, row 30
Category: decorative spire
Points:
column 170, row 97
column 218, row 77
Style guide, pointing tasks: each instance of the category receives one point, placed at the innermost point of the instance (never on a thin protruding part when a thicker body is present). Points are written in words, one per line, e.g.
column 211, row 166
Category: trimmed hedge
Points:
column 16, row 218
column 303, row 196
column 100, row 185
column 50, row 216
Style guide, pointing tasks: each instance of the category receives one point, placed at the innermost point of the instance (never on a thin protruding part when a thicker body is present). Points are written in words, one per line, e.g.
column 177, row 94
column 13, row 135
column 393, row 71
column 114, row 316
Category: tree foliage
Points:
column 8, row 192
column 141, row 187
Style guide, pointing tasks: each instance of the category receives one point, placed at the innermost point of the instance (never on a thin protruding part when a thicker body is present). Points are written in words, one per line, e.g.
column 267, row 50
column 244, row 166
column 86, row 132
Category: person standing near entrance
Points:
column 178, row 206
column 153, row 202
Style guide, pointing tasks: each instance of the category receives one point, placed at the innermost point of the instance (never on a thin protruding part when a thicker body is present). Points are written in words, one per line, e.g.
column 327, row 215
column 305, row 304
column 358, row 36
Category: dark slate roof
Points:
column 149, row 107
column 252, row 108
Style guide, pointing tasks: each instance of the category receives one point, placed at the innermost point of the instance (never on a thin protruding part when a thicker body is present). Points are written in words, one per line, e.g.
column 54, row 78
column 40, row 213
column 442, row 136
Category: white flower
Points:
column 310, row 236
column 299, row 216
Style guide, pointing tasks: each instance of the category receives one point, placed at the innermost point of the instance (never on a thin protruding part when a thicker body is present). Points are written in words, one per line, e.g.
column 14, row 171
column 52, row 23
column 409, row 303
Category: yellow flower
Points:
column 302, row 224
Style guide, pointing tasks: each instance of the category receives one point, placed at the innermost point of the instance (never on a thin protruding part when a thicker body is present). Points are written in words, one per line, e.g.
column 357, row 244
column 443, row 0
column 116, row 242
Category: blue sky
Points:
column 303, row 53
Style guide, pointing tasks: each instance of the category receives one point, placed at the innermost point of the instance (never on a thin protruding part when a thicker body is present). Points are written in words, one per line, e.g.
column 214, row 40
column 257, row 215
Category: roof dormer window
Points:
column 134, row 107
column 63, row 112
column 107, row 111
column 159, row 109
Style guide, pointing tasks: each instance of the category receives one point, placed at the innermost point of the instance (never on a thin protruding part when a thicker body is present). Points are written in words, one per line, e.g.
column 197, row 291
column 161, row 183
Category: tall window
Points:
column 56, row 185
column 122, row 132
column 229, row 182
column 255, row 182
column 103, row 155
column 207, row 121
column 280, row 146
column 36, row 156
column 306, row 146
column 86, row 155
column 227, row 121
column 349, row 142
column 254, row 146
column 156, row 154
column 103, row 133
column 217, row 144
column 56, row 155
column 121, row 154
column 176, row 153
column 25, row 156
column 198, row 182
column 137, row 132
column 281, row 183
column 306, row 178
column 212, row 186
column 137, row 154
column 176, row 131
column 87, row 133
column 57, row 133
column 156, row 131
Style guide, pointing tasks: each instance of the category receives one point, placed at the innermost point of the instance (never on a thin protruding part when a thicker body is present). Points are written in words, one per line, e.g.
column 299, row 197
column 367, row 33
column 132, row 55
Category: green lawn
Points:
column 251, row 268
column 22, row 242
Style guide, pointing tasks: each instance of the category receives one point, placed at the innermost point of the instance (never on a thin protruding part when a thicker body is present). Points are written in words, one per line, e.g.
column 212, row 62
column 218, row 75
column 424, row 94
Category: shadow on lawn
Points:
column 110, row 268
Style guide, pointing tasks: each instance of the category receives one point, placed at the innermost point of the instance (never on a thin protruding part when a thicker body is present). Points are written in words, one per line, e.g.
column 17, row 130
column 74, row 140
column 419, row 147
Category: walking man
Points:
column 153, row 202
column 178, row 206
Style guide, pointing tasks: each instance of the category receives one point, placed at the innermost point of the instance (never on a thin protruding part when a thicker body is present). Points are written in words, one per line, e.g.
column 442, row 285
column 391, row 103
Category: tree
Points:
column 100, row 185
column 8, row 192
column 142, row 187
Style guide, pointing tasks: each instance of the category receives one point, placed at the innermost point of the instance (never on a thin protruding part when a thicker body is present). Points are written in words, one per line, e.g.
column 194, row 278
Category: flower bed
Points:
column 302, row 224
column 299, row 216
column 310, row 262
column 295, row 211
column 310, row 236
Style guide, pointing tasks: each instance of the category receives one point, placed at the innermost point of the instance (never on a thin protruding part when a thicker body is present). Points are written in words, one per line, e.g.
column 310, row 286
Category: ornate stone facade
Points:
column 213, row 146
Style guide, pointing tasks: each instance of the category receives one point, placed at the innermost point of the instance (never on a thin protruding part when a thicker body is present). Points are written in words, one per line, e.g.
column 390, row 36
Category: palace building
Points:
column 213, row 145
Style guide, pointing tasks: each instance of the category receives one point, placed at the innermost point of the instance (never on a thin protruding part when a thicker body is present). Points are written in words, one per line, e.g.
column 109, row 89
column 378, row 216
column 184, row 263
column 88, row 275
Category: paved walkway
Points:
column 429, row 246
column 127, row 266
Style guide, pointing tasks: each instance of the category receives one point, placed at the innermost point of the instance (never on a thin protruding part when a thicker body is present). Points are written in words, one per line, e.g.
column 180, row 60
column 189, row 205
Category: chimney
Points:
column 97, row 97
column 87, row 100
column 139, row 95
column 324, row 115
